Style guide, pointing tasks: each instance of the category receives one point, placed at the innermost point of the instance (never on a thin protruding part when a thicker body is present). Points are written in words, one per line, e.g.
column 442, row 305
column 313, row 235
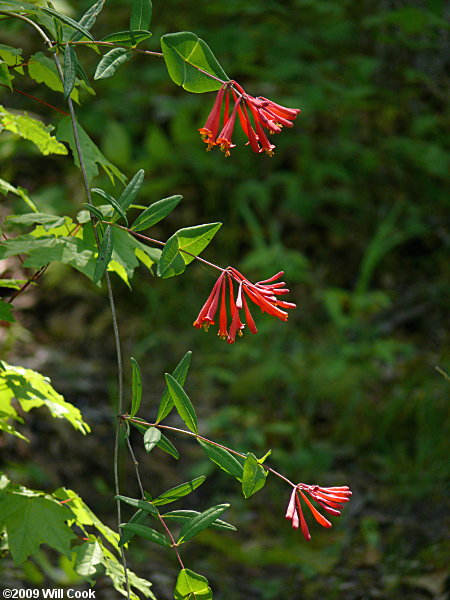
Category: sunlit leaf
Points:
column 192, row 586
column 151, row 438
column 148, row 533
column 254, row 475
column 189, row 60
column 181, row 516
column 127, row 38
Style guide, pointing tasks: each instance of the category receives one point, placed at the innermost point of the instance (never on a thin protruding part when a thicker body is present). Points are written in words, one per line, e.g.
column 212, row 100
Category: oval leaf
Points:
column 68, row 21
column 192, row 240
column 111, row 62
column 189, row 60
column 129, row 194
column 148, row 533
column 104, row 255
column 200, row 522
column 226, row 461
column 155, row 212
column 170, row 262
column 136, row 387
column 151, row 437
column 70, row 70
column 180, row 374
column 190, row 586
column 182, row 403
column 138, row 518
column 254, row 476
column 179, row 491
column 88, row 19
column 181, row 516
column 112, row 201
column 141, row 504
column 127, row 38
column 141, row 14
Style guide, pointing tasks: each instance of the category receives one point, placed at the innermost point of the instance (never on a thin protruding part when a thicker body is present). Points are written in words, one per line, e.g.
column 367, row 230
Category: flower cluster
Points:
column 330, row 499
column 254, row 114
column 263, row 293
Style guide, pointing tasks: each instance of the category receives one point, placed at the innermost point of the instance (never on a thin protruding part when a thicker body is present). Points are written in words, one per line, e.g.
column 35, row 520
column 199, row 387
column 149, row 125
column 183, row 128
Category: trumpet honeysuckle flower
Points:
column 330, row 499
column 264, row 294
column 254, row 114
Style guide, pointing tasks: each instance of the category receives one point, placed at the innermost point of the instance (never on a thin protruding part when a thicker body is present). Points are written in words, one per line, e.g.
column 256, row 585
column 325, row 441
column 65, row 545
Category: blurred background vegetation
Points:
column 352, row 208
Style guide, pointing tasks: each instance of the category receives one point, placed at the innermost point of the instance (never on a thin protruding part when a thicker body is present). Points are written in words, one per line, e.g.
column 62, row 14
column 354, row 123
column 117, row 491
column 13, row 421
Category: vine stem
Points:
column 115, row 323
column 200, row 437
column 50, row 45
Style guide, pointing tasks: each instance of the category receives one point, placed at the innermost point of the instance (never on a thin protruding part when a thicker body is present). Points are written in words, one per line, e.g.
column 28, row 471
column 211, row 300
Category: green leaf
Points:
column 42, row 69
column 127, row 38
column 200, row 522
column 151, row 437
column 91, row 153
column 181, row 516
column 6, row 187
column 170, row 262
column 10, row 54
column 89, row 557
column 166, row 445
column 109, row 63
column 185, row 53
column 183, row 246
column 6, row 312
column 95, row 211
column 195, row 239
column 136, row 387
column 5, row 76
column 180, row 373
column 48, row 221
column 31, row 521
column 140, row 504
column 191, row 586
column 179, row 491
column 141, row 14
column 128, row 196
column 254, row 476
column 182, row 403
column 104, row 255
column 68, row 21
column 89, row 18
column 138, row 518
column 148, row 533
column 226, row 461
column 31, row 129
column 155, row 213
column 32, row 390
column 84, row 516
column 111, row 200
column 70, row 70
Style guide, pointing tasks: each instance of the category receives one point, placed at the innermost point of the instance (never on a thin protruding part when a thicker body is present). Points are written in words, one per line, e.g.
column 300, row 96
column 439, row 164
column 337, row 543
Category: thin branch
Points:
column 159, row 243
column 63, row 112
column 200, row 437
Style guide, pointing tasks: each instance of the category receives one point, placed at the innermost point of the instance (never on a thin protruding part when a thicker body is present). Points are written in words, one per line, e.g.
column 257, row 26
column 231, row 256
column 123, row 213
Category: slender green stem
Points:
column 200, row 437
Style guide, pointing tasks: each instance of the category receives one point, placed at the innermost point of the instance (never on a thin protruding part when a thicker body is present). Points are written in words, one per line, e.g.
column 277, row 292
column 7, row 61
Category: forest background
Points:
column 351, row 207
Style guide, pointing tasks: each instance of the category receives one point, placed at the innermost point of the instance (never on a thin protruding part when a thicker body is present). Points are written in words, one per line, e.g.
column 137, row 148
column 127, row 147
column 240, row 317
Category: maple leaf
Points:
column 32, row 520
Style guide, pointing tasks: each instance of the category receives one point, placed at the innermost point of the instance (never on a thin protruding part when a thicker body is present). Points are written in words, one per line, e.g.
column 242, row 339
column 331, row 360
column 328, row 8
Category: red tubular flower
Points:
column 263, row 293
column 264, row 113
column 330, row 499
